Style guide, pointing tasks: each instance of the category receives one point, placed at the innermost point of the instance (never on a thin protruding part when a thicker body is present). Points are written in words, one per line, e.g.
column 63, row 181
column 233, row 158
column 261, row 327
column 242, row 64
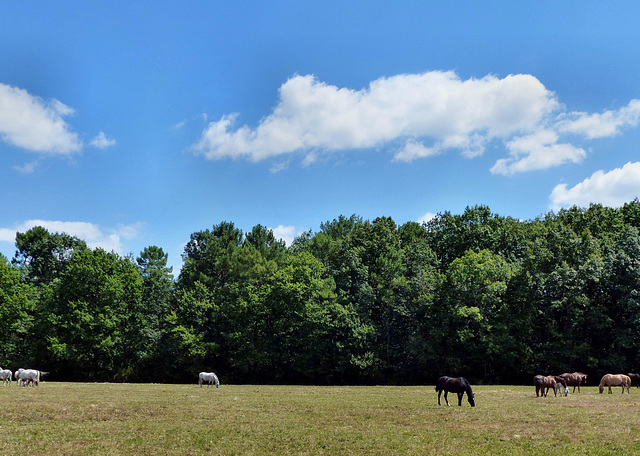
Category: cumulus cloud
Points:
column 537, row 151
column 613, row 188
column 101, row 141
column 418, row 116
column 286, row 233
column 609, row 123
column 436, row 106
column 31, row 123
column 92, row 234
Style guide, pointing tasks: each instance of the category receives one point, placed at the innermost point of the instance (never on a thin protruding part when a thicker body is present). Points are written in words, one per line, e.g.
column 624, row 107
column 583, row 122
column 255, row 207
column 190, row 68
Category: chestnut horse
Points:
column 615, row 380
column 575, row 379
column 543, row 384
column 458, row 385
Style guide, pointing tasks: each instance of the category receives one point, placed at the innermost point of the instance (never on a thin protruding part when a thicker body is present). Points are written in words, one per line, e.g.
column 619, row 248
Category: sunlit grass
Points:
column 118, row 419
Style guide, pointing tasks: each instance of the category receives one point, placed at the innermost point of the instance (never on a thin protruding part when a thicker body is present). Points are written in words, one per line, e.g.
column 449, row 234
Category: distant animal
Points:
column 635, row 380
column 562, row 385
column 208, row 377
column 610, row 380
column 544, row 383
column 5, row 375
column 18, row 376
column 455, row 385
column 575, row 379
column 26, row 376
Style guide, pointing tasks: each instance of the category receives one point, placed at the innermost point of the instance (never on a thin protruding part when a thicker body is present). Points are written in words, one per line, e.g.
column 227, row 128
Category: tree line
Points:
column 489, row 297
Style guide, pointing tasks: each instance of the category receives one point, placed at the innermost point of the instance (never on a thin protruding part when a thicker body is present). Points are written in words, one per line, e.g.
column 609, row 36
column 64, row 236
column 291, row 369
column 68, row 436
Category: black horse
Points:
column 455, row 385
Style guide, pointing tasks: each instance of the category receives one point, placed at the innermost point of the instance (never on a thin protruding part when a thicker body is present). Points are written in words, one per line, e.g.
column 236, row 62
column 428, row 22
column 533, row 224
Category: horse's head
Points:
column 472, row 399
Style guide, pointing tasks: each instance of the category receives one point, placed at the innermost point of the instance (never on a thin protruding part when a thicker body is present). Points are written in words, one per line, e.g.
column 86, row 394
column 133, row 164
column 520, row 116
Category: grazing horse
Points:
column 543, row 384
column 455, row 385
column 24, row 376
column 615, row 380
column 209, row 377
column 562, row 385
column 575, row 379
column 5, row 376
column 635, row 380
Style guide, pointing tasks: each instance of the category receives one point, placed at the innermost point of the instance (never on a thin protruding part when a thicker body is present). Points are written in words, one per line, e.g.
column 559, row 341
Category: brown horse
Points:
column 575, row 379
column 615, row 380
column 543, row 384
column 635, row 380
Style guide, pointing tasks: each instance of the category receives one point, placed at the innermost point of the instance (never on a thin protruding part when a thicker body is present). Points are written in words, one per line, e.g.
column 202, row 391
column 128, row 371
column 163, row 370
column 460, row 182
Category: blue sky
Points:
column 131, row 124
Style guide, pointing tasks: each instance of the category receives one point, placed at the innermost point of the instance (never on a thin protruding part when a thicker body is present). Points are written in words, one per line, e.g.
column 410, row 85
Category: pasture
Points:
column 125, row 419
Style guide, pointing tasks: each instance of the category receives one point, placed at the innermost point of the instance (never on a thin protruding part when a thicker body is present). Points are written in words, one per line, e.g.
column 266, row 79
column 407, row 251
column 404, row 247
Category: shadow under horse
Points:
column 457, row 385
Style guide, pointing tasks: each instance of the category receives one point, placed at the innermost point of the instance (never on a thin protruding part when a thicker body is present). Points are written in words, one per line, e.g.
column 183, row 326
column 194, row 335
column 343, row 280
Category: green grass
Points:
column 119, row 419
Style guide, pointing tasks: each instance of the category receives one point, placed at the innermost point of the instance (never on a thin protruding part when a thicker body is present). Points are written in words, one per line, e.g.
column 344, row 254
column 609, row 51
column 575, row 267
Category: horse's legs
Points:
column 610, row 392
column 460, row 399
column 445, row 398
column 439, row 393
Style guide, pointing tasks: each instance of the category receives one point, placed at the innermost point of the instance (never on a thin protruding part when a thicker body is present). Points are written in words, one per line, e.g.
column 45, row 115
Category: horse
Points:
column 635, row 380
column 615, row 380
column 24, row 376
column 5, row 375
column 455, row 385
column 575, row 379
column 209, row 377
column 543, row 383
column 560, row 381
column 18, row 376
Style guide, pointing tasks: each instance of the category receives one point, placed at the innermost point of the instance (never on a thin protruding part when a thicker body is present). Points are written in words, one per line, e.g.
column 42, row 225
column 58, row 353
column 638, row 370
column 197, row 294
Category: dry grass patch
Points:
column 119, row 419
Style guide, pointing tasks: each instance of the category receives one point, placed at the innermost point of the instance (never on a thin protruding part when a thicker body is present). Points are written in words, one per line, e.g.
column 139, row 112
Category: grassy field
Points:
column 140, row 419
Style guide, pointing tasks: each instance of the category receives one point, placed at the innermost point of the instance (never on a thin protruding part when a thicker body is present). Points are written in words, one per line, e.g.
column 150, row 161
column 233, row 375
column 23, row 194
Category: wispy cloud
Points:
column 613, row 188
column 27, row 168
column 426, row 113
column 101, row 141
column 94, row 235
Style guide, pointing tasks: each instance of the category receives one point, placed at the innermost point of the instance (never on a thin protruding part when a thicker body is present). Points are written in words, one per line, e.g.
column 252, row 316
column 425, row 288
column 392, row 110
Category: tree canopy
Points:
column 476, row 294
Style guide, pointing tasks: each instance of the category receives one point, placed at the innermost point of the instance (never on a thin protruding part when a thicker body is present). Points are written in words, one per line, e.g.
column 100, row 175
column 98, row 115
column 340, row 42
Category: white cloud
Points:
column 602, row 125
column 426, row 217
column 537, row 151
column 413, row 149
column 101, row 141
column 438, row 106
column 427, row 113
column 27, row 168
column 34, row 124
column 612, row 189
column 286, row 233
column 91, row 233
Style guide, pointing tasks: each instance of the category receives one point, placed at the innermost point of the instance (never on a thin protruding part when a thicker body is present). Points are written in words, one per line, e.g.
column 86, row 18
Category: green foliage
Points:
column 476, row 294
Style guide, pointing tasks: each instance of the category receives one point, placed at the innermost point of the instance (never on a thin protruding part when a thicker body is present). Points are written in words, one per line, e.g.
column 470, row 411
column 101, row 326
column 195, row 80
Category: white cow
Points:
column 209, row 377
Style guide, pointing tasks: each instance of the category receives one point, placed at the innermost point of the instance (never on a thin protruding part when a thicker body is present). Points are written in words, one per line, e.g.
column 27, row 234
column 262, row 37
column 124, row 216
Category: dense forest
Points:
column 481, row 295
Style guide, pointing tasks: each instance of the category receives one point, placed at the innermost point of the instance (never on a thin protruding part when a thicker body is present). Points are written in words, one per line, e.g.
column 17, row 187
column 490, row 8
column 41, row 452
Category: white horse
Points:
column 5, row 375
column 209, row 377
column 18, row 376
column 24, row 376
